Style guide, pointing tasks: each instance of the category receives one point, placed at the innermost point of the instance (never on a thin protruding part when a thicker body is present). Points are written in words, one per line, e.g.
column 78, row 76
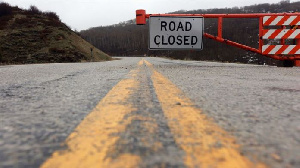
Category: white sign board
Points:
column 183, row 33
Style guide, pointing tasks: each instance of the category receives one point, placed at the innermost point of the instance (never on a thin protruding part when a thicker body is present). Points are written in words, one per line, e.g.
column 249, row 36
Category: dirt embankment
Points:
column 32, row 36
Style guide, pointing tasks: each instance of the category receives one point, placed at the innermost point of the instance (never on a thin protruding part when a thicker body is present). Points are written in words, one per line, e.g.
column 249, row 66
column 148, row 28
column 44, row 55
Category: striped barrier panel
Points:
column 281, row 34
column 281, row 20
column 281, row 49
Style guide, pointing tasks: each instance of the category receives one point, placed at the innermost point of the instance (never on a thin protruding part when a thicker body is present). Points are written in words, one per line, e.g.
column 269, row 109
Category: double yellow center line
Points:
column 205, row 144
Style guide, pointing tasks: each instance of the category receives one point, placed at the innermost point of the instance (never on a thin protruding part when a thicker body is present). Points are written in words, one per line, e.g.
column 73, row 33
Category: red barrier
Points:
column 278, row 52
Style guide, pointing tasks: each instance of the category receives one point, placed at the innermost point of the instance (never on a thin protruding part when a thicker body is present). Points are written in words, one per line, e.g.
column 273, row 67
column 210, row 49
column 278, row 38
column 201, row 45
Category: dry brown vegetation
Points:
column 33, row 36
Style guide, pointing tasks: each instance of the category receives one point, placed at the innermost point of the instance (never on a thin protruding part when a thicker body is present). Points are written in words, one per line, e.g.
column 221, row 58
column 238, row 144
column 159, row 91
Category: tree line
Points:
column 127, row 38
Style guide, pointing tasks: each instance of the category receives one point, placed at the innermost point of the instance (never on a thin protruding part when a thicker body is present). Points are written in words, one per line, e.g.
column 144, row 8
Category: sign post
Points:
column 180, row 33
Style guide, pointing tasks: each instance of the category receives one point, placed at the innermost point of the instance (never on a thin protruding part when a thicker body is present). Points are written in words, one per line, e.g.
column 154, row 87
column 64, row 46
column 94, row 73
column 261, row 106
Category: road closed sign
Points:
column 171, row 33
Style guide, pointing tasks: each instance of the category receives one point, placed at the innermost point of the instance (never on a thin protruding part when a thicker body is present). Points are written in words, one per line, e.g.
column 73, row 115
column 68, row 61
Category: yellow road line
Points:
column 205, row 143
column 96, row 135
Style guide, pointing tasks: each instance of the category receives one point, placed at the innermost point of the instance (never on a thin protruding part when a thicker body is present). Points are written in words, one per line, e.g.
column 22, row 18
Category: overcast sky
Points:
column 83, row 14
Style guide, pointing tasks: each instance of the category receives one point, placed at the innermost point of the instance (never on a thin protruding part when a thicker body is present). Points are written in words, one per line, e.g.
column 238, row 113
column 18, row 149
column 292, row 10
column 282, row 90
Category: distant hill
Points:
column 32, row 36
column 127, row 38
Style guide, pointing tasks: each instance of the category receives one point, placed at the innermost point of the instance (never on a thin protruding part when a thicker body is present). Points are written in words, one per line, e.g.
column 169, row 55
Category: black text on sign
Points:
column 176, row 33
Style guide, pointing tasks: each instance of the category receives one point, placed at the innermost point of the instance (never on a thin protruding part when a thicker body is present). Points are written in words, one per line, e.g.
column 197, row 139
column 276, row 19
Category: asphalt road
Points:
column 256, row 106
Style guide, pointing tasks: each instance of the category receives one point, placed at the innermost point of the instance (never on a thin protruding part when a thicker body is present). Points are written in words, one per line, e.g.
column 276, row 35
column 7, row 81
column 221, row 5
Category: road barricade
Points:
column 273, row 28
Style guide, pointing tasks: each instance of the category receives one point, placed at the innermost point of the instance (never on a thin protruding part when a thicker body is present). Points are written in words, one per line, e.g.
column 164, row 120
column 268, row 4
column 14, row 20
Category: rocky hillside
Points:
column 32, row 36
